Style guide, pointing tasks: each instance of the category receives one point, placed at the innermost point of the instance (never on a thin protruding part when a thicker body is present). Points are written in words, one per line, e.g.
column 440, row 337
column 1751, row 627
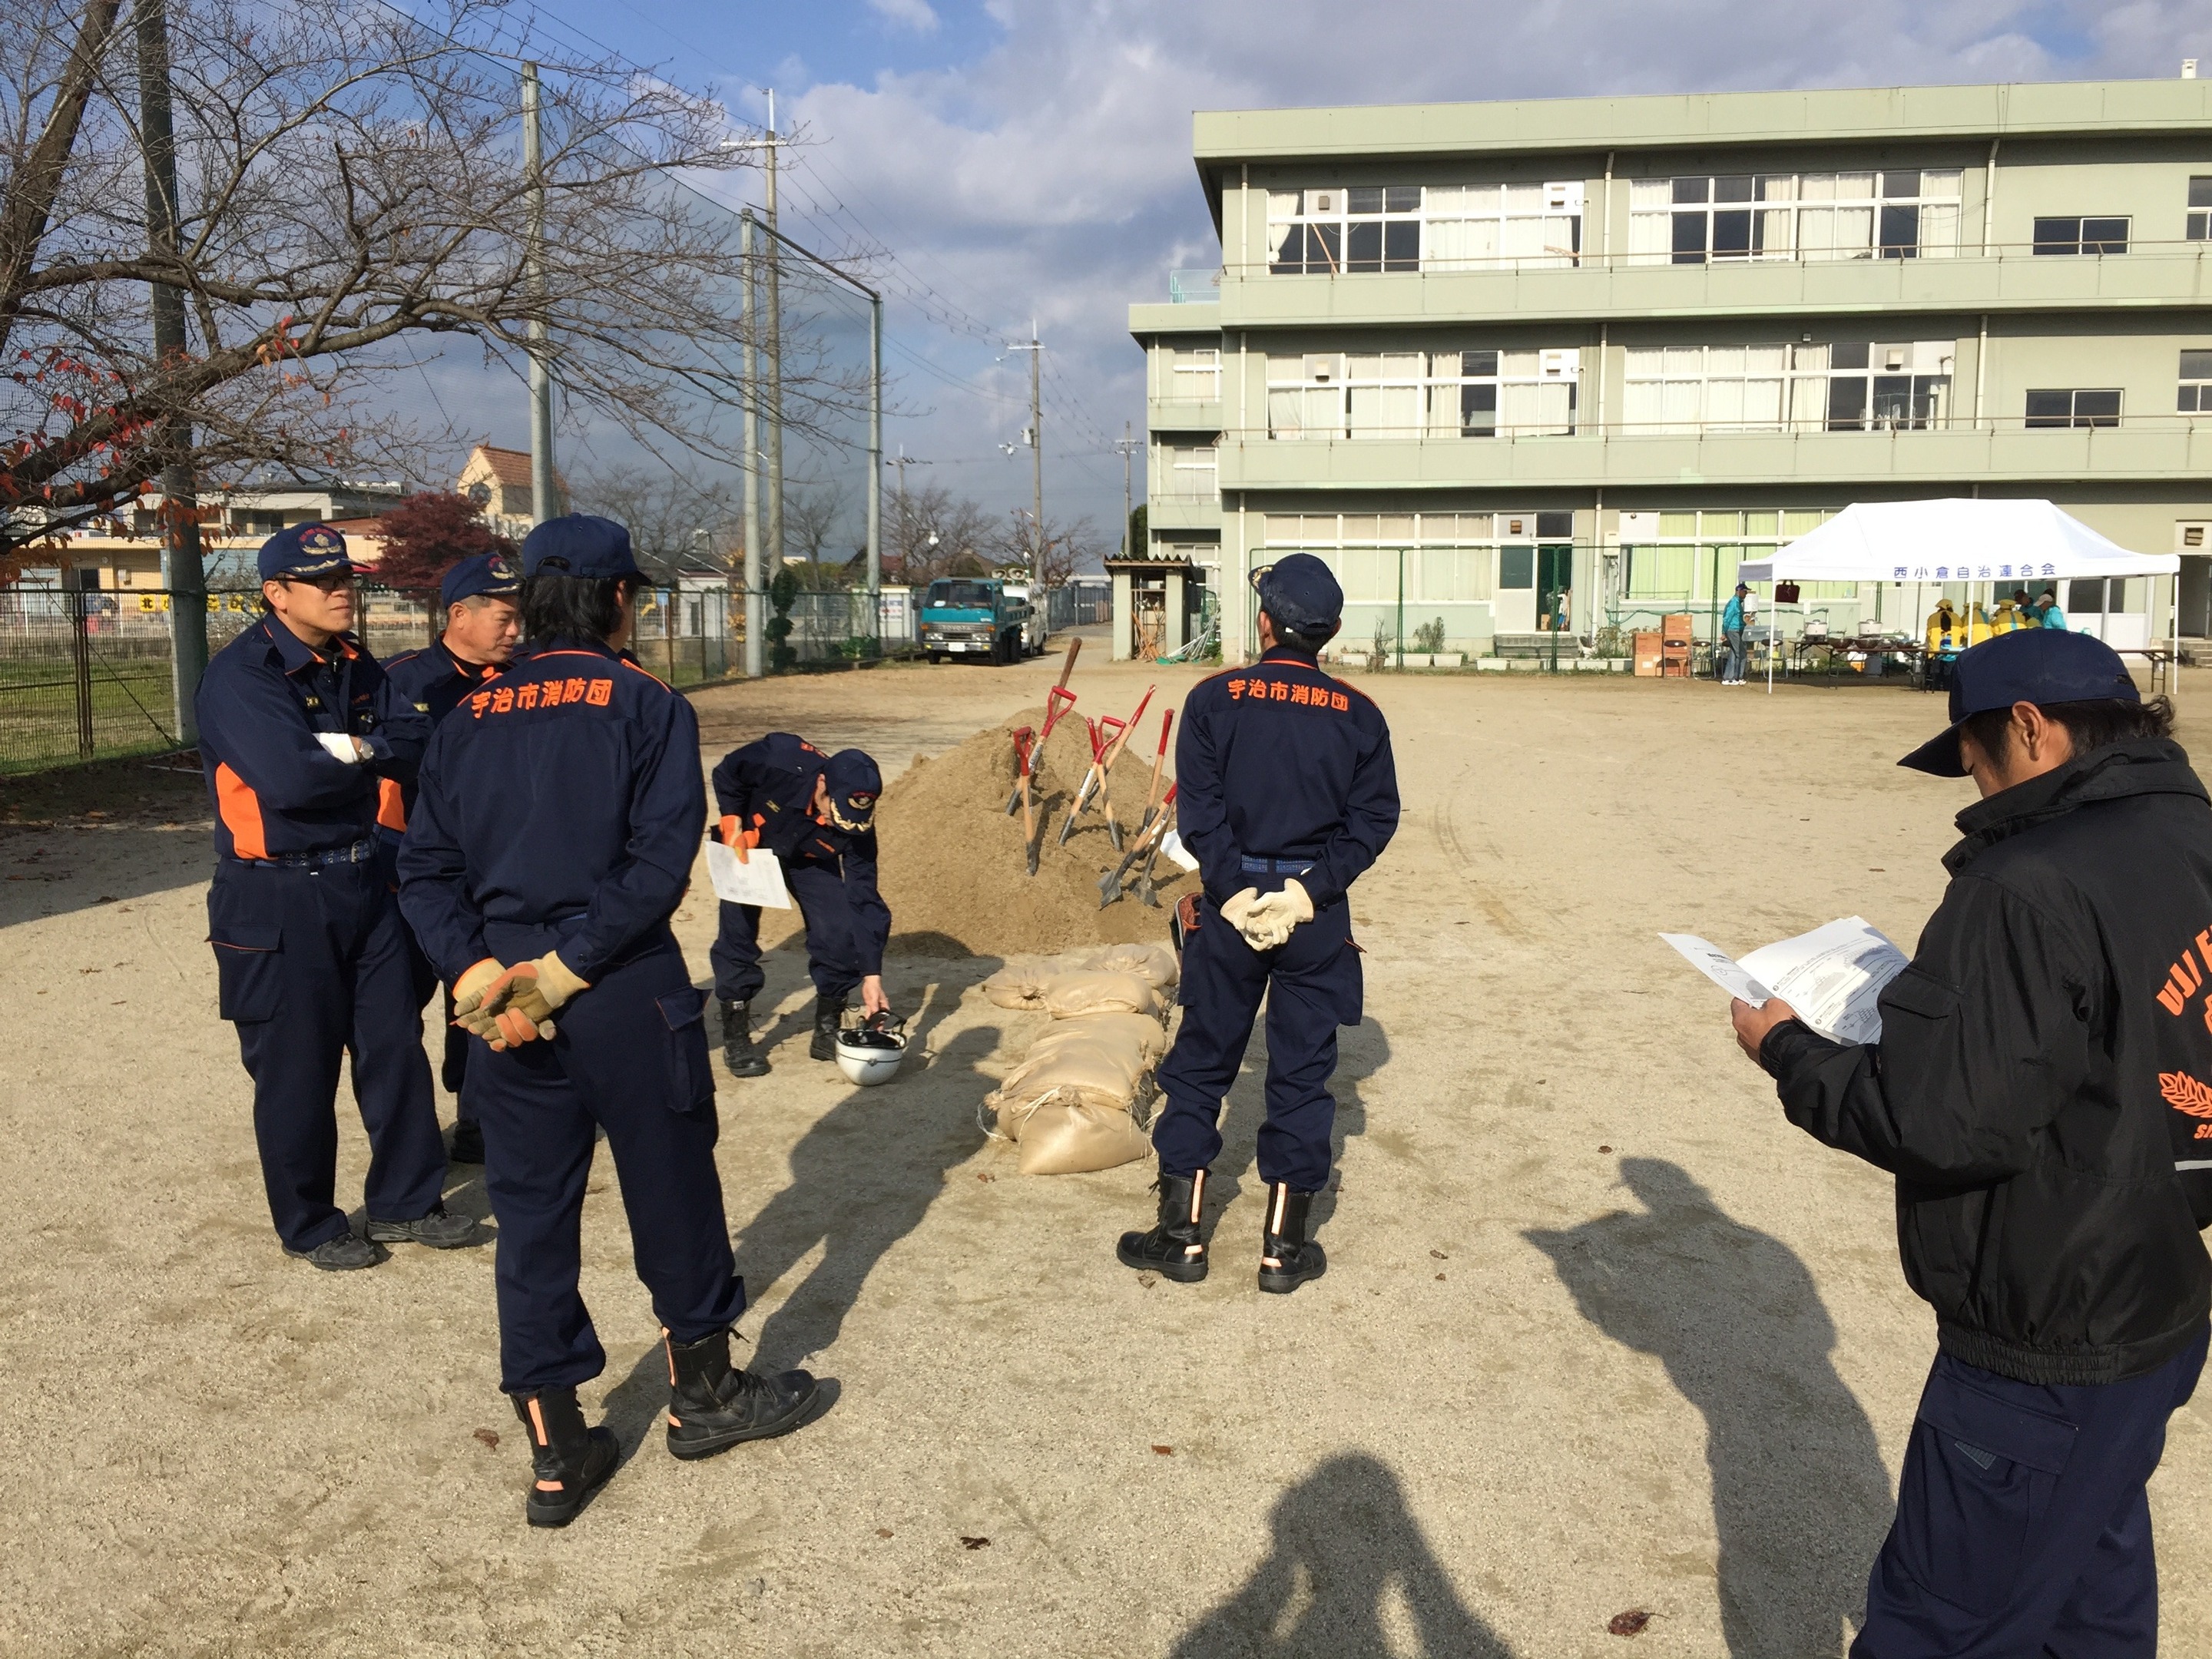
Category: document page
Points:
column 758, row 880
column 1831, row 975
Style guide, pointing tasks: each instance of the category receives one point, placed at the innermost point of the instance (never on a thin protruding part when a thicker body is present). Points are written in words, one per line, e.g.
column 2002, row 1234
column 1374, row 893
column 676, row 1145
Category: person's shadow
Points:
column 1800, row 1498
column 861, row 1179
column 1343, row 1540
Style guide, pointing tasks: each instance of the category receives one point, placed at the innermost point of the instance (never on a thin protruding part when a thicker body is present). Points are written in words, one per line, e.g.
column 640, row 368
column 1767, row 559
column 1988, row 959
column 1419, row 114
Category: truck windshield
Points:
column 964, row 596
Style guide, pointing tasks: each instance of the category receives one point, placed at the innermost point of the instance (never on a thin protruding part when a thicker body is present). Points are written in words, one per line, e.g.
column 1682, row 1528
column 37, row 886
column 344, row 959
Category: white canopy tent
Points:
column 1999, row 542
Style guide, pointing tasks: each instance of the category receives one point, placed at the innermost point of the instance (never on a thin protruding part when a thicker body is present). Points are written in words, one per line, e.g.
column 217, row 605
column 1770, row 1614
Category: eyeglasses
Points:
column 330, row 581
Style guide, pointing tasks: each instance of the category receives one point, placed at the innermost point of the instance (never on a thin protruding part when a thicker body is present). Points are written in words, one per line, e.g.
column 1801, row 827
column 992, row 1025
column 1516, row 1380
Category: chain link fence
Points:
column 88, row 676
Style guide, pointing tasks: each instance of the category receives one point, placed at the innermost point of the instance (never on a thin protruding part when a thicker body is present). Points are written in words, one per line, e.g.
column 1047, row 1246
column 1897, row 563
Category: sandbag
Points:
column 1105, row 1074
column 1070, row 996
column 1153, row 963
column 1073, row 1138
column 1139, row 1032
column 1019, row 983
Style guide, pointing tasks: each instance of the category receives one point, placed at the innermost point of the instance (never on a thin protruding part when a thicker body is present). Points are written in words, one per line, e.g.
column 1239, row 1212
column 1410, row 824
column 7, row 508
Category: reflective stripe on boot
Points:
column 1287, row 1257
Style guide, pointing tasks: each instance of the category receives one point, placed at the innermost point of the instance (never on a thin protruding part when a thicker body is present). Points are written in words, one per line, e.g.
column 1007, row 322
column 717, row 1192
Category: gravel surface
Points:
column 1601, row 1335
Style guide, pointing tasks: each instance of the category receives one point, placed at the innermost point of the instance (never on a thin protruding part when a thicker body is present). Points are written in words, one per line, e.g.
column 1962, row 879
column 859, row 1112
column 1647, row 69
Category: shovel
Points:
column 1152, row 790
column 1147, row 894
column 1115, row 734
column 1057, row 702
column 1110, row 884
column 1022, row 753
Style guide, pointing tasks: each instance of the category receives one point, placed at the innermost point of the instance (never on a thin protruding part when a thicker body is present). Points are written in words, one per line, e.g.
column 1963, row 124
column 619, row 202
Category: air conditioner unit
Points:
column 1638, row 529
column 1324, row 367
column 1324, row 201
column 1566, row 194
column 1560, row 365
column 2189, row 537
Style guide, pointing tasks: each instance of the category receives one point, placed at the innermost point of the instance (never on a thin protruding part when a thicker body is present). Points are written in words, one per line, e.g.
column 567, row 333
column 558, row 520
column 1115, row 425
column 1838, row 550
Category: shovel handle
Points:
column 1159, row 759
column 1068, row 667
column 1121, row 736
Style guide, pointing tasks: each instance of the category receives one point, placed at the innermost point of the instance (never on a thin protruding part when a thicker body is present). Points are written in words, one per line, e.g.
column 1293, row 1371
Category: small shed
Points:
column 1154, row 600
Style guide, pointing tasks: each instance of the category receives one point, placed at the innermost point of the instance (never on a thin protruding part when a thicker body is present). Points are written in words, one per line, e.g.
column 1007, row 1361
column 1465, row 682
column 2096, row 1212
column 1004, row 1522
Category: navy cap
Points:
column 855, row 782
column 578, row 544
column 1300, row 594
column 487, row 573
column 2041, row 665
column 304, row 549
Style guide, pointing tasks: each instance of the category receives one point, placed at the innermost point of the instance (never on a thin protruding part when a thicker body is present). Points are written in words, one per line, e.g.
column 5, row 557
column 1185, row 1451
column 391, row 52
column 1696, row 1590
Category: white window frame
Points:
column 1528, row 224
column 1808, row 216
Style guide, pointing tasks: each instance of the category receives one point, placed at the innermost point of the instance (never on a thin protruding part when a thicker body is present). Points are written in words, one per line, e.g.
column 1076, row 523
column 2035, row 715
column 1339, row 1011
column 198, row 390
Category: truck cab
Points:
column 974, row 616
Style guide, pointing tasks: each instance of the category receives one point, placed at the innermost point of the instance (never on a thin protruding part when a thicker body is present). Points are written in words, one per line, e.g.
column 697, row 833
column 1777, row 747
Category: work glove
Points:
column 736, row 840
column 519, row 1005
column 1236, row 909
column 469, row 995
column 350, row 749
column 1269, row 922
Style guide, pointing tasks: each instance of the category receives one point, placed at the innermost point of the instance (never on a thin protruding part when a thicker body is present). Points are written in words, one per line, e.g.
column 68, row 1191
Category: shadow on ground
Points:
column 1348, row 1564
column 1800, row 1499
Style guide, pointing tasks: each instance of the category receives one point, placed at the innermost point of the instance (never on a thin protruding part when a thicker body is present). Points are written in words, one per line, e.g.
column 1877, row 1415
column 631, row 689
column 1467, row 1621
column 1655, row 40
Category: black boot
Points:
column 1173, row 1249
column 738, row 1053
column 1287, row 1257
column 829, row 1018
column 570, row 1460
column 712, row 1405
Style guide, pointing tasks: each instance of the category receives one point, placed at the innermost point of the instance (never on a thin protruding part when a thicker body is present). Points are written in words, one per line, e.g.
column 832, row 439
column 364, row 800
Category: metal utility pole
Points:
column 182, row 572
column 542, row 505
column 1128, row 447
column 876, row 466
column 756, row 609
column 774, row 336
column 1033, row 435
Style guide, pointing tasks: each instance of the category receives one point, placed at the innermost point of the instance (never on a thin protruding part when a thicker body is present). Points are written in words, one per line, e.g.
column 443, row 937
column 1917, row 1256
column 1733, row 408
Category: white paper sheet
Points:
column 1171, row 844
column 758, row 880
column 340, row 746
column 1832, row 977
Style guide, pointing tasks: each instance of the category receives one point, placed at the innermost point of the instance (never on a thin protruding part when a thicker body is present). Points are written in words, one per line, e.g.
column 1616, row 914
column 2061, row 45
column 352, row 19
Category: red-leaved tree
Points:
column 426, row 535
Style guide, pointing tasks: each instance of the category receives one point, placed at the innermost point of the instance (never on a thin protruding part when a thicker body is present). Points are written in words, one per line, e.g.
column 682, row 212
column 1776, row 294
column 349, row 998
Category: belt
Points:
column 361, row 852
column 1276, row 867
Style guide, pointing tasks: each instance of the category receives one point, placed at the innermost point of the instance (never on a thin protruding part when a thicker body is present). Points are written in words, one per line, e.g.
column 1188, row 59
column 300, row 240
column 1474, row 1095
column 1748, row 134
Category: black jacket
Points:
column 2043, row 1074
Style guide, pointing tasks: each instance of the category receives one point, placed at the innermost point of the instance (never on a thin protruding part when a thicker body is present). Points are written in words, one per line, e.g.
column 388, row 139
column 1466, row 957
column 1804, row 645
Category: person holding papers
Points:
column 816, row 813
column 2041, row 1088
column 554, row 831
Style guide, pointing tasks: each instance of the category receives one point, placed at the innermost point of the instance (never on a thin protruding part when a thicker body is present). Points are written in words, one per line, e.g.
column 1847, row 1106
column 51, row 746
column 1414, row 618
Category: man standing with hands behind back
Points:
column 2039, row 1089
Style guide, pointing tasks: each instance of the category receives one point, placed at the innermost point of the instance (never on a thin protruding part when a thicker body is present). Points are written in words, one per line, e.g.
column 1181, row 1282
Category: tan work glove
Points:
column 1238, row 907
column 1268, row 923
column 469, row 995
column 521, row 1002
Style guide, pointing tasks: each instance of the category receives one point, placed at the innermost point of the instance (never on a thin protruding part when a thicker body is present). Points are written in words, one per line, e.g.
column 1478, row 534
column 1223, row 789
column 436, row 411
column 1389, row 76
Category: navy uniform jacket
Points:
column 432, row 682
column 276, row 790
column 564, row 792
column 766, row 788
column 1280, row 761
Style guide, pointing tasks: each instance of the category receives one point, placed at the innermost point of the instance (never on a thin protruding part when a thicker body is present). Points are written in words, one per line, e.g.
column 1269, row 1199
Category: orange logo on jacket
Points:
column 1296, row 693
column 2185, row 1094
column 541, row 694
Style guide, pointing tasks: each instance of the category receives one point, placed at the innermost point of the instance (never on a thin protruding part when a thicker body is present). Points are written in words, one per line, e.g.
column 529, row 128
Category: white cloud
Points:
column 1053, row 175
column 913, row 15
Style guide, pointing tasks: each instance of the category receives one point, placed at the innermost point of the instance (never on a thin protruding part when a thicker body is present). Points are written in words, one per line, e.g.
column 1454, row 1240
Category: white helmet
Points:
column 871, row 1053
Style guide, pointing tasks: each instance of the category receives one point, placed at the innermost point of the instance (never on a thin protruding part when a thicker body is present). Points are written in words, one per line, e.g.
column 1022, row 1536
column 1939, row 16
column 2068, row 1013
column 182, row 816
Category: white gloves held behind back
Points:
column 1266, row 922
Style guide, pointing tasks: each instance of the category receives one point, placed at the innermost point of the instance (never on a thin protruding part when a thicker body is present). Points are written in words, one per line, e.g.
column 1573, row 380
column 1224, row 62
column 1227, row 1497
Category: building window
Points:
column 1691, row 558
column 1841, row 386
column 1407, row 395
column 1893, row 214
column 1192, row 472
column 2200, row 210
column 2108, row 235
column 1194, row 377
column 1362, row 228
column 2073, row 408
column 2196, row 383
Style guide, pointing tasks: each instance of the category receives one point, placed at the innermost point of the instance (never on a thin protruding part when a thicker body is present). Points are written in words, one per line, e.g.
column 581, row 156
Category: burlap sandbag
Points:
column 1153, row 963
column 1105, row 1072
column 1071, row 996
column 1073, row 1138
column 1019, row 983
column 1140, row 1031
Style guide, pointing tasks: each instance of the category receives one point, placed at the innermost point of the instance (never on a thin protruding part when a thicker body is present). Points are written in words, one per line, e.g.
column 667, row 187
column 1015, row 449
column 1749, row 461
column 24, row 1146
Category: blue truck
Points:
column 977, row 616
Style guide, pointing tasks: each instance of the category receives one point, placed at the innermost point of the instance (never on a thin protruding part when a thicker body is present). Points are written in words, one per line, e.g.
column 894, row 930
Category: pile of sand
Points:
column 950, row 859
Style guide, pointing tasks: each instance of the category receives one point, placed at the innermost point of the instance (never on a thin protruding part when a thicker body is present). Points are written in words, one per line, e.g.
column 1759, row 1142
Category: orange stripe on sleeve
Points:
column 241, row 813
column 391, row 806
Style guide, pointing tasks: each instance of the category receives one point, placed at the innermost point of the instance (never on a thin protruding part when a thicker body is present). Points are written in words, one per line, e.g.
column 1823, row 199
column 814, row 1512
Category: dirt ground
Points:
column 1600, row 1332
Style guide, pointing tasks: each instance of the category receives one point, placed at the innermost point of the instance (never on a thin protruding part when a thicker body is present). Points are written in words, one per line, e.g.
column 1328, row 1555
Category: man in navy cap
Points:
column 554, row 830
column 816, row 814
column 480, row 600
column 1286, row 794
column 2042, row 1091
column 304, row 747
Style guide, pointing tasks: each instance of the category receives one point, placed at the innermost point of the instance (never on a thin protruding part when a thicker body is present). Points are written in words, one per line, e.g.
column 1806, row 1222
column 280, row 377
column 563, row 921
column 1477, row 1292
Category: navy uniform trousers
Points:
column 1312, row 985
column 628, row 1055
column 2022, row 1526
column 453, row 1063
column 833, row 955
column 312, row 962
